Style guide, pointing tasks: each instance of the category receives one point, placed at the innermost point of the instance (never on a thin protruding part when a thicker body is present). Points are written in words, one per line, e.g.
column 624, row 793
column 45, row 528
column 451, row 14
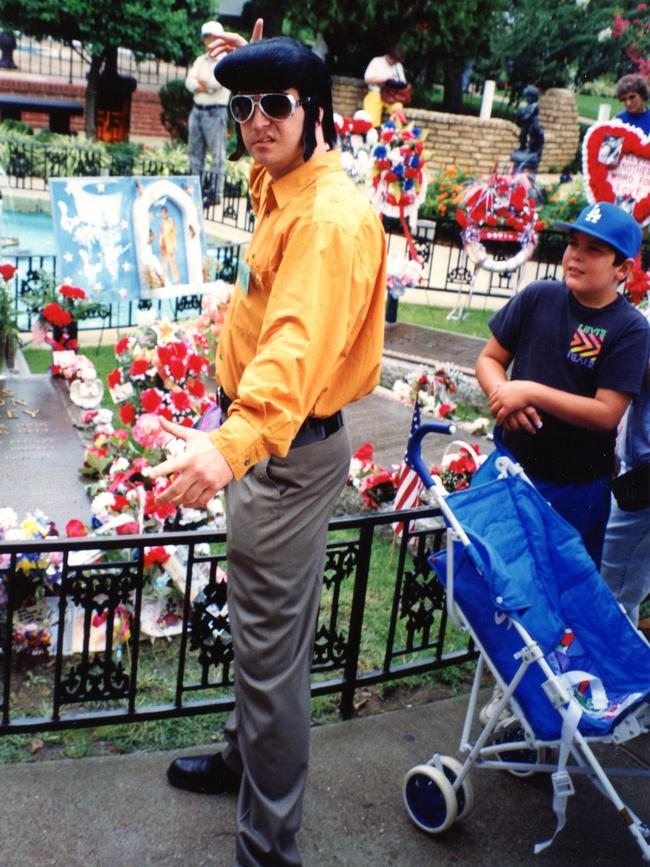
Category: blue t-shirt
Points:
column 559, row 342
column 641, row 121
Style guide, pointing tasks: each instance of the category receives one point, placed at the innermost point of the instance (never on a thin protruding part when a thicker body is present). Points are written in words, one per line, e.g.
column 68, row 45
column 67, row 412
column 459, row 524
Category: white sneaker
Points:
column 487, row 711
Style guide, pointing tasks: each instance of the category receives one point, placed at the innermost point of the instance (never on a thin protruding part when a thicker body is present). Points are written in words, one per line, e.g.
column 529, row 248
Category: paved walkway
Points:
column 119, row 811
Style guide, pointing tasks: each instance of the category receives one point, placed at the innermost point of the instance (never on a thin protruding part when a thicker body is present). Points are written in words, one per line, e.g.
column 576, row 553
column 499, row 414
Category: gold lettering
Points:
column 32, row 413
column 17, row 401
column 11, row 413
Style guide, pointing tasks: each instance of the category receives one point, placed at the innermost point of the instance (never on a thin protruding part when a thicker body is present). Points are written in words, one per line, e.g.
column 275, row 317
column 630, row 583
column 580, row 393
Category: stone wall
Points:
column 477, row 145
column 558, row 114
column 347, row 94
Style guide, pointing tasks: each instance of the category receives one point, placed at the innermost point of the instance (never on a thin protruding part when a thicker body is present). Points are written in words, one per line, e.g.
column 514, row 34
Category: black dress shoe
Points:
column 208, row 775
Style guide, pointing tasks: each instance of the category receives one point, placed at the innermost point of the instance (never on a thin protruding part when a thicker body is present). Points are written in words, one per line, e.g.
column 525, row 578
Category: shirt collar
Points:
column 292, row 184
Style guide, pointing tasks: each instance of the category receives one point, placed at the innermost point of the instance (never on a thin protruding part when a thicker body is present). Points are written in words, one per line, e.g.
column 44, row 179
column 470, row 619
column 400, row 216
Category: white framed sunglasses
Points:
column 275, row 106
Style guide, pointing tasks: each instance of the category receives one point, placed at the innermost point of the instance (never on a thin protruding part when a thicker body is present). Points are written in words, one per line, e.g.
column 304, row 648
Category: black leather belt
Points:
column 208, row 107
column 312, row 430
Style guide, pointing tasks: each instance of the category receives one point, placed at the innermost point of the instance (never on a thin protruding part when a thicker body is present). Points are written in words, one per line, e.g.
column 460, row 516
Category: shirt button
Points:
column 247, row 463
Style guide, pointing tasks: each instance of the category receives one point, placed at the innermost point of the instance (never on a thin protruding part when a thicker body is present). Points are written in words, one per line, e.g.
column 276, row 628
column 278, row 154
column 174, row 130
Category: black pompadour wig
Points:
column 277, row 64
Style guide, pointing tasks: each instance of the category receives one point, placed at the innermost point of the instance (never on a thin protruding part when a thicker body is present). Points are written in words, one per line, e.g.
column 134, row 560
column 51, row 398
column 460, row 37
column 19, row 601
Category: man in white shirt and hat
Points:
column 208, row 121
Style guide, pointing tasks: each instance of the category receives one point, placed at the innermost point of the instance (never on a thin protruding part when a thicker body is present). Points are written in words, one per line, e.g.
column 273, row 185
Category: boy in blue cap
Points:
column 578, row 351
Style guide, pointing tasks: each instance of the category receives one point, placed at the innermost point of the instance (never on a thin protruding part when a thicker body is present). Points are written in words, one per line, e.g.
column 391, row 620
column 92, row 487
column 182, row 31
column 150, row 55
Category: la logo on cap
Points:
column 594, row 215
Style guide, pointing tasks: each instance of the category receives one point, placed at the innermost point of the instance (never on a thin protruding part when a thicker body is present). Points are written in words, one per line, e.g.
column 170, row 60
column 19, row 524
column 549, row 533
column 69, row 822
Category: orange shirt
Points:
column 305, row 329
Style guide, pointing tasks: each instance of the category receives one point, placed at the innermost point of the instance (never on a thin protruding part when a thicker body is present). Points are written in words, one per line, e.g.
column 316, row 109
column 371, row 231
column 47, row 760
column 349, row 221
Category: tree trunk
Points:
column 453, row 96
column 91, row 96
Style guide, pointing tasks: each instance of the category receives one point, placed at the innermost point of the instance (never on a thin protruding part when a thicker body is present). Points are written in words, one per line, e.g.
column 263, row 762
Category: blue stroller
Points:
column 572, row 669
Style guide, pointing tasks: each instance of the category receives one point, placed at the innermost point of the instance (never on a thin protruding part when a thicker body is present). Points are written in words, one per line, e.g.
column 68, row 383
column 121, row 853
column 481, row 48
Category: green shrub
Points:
column 16, row 126
column 563, row 202
column 444, row 193
column 176, row 102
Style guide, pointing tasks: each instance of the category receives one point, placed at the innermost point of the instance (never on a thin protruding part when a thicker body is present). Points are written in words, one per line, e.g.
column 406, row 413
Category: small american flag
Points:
column 409, row 484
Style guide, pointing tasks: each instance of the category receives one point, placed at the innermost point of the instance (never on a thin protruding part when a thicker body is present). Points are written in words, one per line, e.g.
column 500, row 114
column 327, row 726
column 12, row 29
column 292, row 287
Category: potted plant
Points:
column 8, row 322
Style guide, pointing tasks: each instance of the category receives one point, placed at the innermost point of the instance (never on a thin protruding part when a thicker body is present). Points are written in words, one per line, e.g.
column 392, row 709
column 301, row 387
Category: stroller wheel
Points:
column 430, row 799
column 465, row 795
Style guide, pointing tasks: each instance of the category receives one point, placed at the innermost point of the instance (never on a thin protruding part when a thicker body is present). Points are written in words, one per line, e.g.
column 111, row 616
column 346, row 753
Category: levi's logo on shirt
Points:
column 586, row 344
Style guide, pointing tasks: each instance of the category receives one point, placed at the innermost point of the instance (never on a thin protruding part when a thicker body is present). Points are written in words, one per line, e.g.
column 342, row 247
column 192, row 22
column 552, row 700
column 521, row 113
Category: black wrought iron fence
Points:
column 70, row 61
column 377, row 623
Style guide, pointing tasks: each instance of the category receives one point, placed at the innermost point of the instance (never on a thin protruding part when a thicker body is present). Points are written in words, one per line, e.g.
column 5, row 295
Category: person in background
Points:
column 626, row 552
column 302, row 338
column 208, row 121
column 387, row 85
column 632, row 91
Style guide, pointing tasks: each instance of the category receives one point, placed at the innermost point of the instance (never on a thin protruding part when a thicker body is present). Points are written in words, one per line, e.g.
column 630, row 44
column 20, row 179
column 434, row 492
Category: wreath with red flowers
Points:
column 500, row 208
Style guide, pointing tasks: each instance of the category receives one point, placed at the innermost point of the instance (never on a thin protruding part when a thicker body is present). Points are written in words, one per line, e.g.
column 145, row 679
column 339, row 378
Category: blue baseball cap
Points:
column 610, row 224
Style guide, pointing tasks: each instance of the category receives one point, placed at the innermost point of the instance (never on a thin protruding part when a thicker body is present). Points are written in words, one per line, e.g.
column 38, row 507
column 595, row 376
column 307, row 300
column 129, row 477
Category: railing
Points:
column 70, row 62
column 370, row 629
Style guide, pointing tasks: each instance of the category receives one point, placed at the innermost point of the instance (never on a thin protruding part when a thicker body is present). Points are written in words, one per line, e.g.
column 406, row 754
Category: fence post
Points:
column 356, row 621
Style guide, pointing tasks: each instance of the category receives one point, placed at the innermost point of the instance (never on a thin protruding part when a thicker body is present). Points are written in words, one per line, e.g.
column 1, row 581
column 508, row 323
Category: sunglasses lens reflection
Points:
column 277, row 106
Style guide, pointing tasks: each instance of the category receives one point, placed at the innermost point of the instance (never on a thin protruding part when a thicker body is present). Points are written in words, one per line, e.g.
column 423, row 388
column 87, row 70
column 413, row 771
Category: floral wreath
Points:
column 396, row 174
column 499, row 209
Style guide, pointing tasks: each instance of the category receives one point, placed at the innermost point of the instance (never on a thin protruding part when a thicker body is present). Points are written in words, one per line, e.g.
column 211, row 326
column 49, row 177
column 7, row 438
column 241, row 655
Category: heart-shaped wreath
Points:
column 616, row 167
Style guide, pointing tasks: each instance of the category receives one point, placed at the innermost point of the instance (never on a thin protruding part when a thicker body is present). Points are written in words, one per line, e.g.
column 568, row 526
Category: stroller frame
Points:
column 439, row 792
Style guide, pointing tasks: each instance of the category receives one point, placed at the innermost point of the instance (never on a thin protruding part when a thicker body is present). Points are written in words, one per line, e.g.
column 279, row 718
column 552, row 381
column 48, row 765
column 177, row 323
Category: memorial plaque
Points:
column 40, row 452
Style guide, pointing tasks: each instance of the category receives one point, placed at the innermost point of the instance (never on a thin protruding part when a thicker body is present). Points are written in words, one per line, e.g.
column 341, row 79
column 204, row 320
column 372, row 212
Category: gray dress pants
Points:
column 277, row 532
column 207, row 133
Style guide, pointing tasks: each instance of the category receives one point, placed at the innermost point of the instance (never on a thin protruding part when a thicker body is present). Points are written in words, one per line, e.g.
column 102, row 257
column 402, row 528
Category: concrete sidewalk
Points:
column 114, row 811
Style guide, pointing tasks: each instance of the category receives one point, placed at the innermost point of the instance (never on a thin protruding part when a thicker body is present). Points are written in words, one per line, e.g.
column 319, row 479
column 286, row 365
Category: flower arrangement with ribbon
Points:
column 500, row 208
column 456, row 469
column 397, row 172
column 160, row 371
column 400, row 274
column 433, row 389
column 377, row 485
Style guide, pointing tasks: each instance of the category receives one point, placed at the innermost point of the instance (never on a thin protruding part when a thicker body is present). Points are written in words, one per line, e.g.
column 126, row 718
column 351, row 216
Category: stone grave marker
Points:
column 40, row 452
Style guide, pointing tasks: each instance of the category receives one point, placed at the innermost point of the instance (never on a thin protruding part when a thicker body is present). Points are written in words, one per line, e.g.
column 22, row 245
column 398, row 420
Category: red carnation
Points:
column 7, row 271
column 196, row 388
column 127, row 413
column 114, row 377
column 180, row 400
column 139, row 367
column 75, row 528
column 196, row 363
column 364, row 452
column 177, row 368
column 121, row 346
column 72, row 292
column 155, row 555
column 55, row 314
column 150, row 400
column 128, row 527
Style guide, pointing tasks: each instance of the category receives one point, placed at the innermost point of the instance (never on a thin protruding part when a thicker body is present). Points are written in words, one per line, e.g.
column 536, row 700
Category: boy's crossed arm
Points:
column 514, row 404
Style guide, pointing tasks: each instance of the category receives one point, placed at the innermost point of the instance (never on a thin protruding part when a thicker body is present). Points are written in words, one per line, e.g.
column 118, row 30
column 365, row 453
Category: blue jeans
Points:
column 626, row 558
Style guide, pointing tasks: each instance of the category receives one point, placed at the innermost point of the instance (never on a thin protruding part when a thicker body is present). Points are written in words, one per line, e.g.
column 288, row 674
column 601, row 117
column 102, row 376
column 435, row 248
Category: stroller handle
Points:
column 414, row 449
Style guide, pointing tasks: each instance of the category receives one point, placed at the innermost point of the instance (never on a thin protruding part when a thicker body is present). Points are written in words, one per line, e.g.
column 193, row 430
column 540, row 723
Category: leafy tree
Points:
column 168, row 29
column 437, row 36
column 551, row 43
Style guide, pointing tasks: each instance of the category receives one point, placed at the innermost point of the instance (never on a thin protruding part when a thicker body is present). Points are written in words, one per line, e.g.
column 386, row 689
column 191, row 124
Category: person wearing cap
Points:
column 208, row 120
column 387, row 85
column 578, row 351
column 303, row 337
column 632, row 91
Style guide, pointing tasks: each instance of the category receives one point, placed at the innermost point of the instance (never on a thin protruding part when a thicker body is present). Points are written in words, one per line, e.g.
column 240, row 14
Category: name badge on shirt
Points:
column 243, row 275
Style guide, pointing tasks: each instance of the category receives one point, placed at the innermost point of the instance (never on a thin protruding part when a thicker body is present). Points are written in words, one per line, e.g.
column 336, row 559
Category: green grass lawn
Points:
column 474, row 325
column 588, row 105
